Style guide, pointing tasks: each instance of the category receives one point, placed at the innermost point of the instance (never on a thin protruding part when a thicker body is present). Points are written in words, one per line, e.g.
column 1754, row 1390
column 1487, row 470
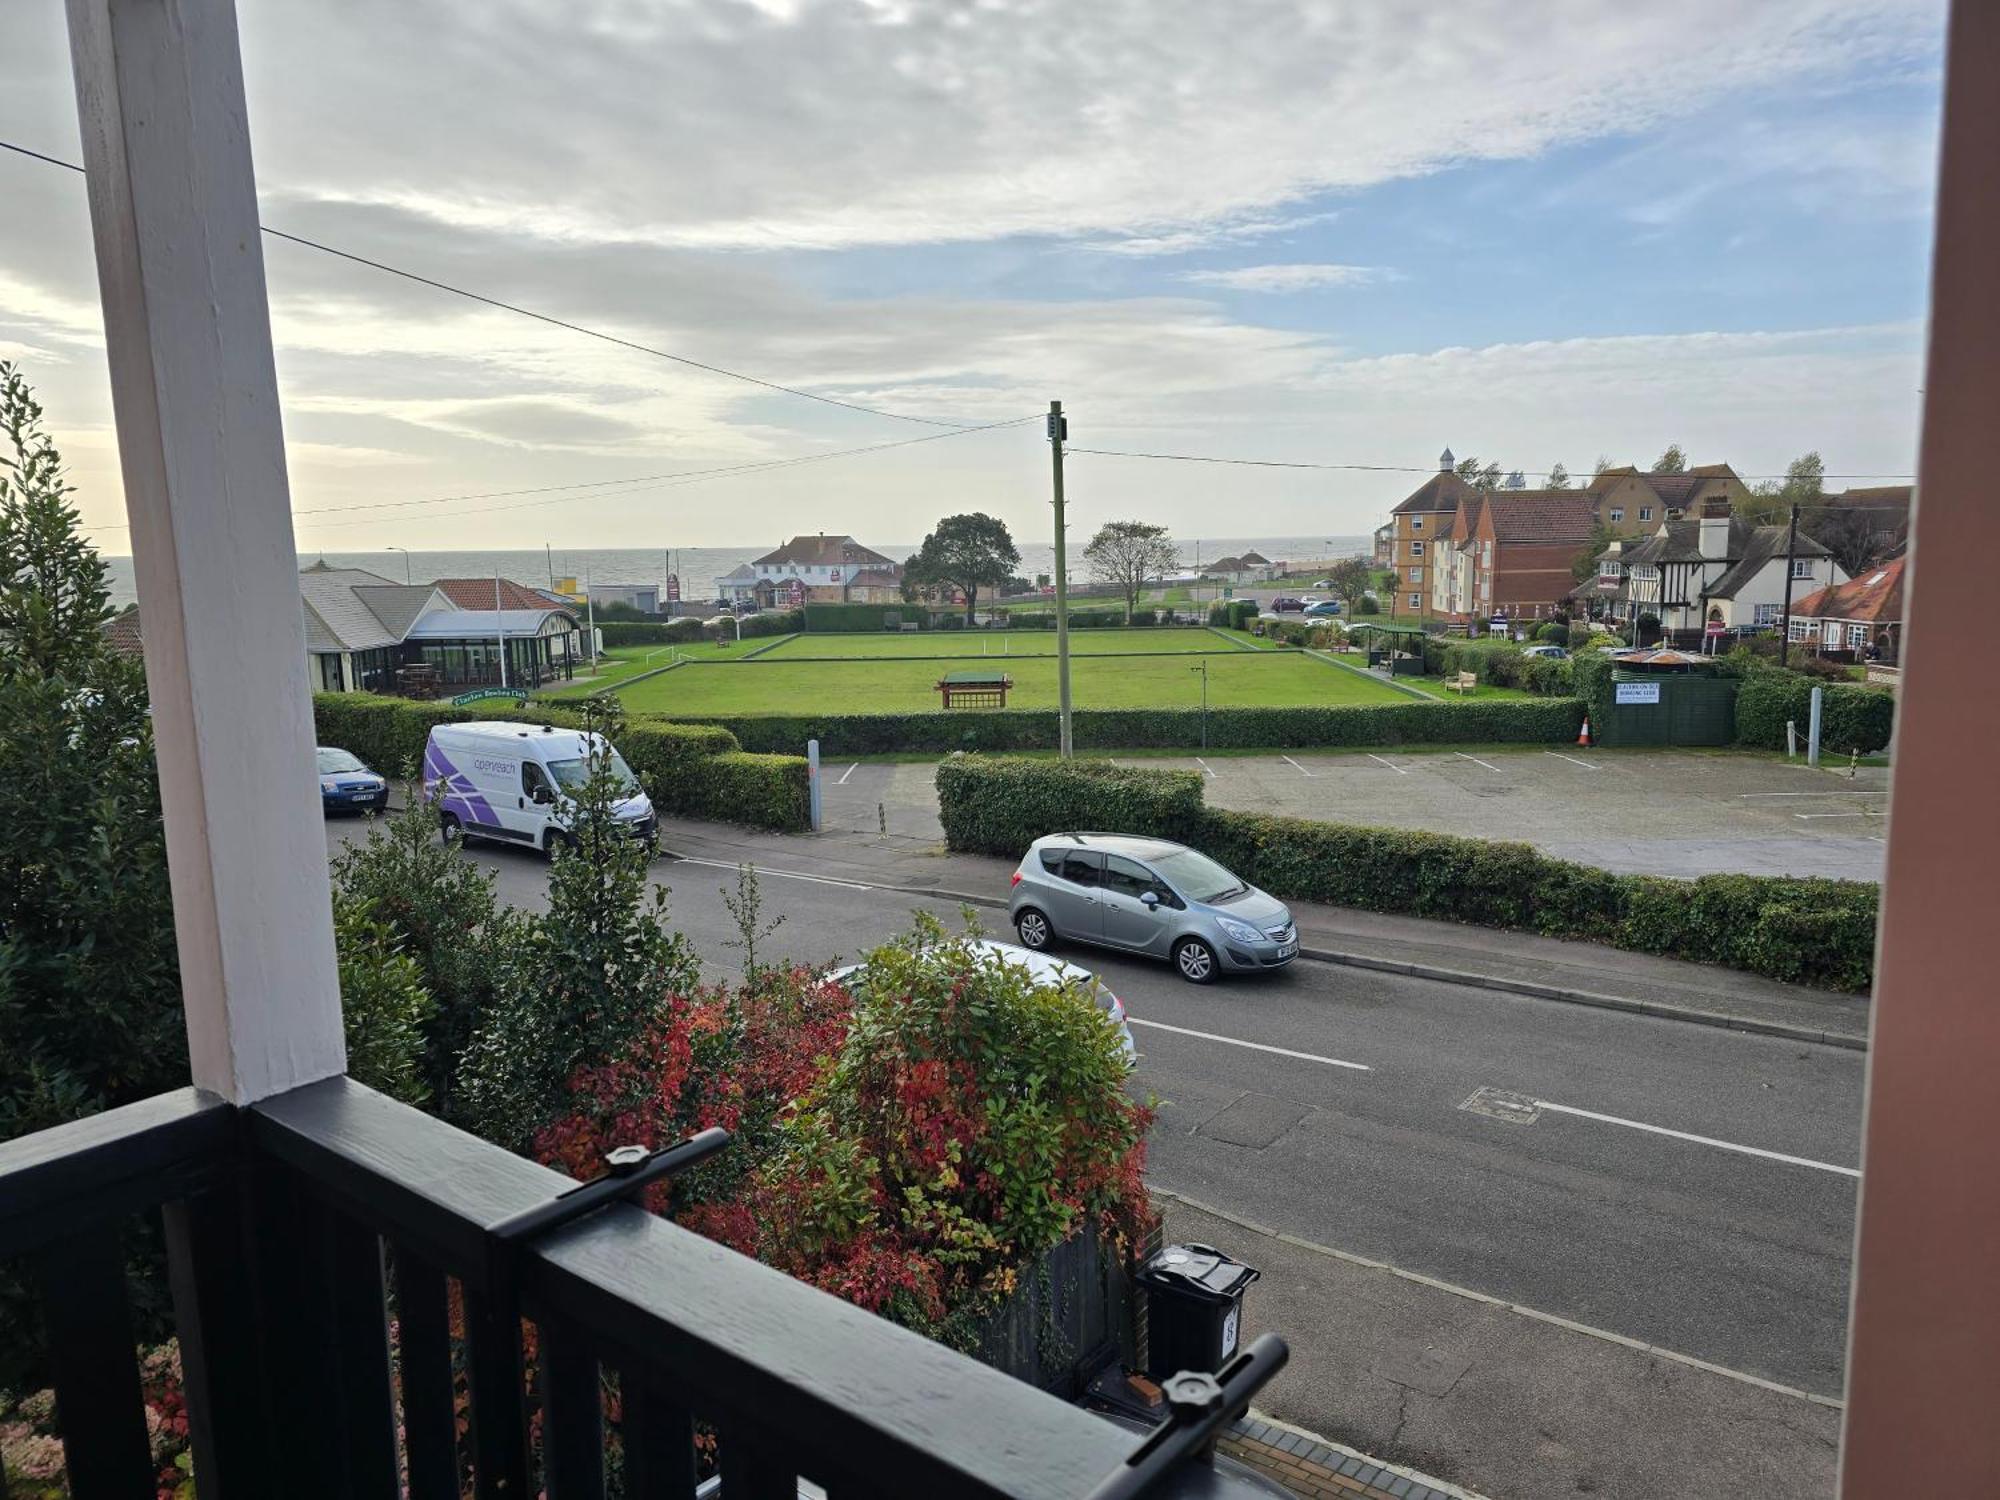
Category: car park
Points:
column 516, row 783
column 347, row 784
column 1149, row 896
column 1043, row 969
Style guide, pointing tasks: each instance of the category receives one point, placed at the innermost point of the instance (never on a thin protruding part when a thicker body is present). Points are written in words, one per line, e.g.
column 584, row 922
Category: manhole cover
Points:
column 1498, row 1104
column 1254, row 1120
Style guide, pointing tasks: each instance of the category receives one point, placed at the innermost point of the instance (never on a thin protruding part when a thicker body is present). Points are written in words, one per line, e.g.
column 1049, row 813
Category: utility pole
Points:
column 1785, row 620
column 590, row 616
column 500, row 629
column 1058, row 430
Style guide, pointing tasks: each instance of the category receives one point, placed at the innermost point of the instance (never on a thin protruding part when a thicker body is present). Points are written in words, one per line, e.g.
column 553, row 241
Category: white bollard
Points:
column 1791, row 739
column 1812, row 732
column 812, row 780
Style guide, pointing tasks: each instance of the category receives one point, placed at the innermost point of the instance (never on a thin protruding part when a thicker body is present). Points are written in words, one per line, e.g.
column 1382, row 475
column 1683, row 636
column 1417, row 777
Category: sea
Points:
column 699, row 567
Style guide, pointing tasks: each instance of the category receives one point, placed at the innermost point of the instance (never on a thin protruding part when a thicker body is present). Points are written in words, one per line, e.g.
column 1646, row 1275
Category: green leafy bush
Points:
column 861, row 619
column 1852, row 717
column 650, row 632
column 1233, row 614
column 1555, row 633
column 1819, row 932
column 1517, row 721
column 764, row 791
column 384, row 1006
column 774, row 622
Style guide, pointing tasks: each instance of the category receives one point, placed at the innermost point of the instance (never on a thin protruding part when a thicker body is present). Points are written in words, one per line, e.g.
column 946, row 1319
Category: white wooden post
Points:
column 173, row 207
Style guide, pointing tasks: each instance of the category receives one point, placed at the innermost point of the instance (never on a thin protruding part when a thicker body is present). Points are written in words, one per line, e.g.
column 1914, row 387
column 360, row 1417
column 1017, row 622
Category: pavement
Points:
column 1679, row 813
column 1519, row 1245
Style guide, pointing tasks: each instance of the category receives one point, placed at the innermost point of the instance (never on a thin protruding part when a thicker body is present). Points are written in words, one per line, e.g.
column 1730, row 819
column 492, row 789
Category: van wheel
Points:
column 1195, row 959
column 1034, row 929
column 448, row 825
column 557, row 839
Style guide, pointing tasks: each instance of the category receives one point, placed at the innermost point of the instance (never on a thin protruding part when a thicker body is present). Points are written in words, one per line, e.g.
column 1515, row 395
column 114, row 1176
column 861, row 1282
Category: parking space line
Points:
column 1230, row 1041
column 1476, row 761
column 1700, row 1140
column 1389, row 763
column 1878, row 792
column 1573, row 760
column 723, row 864
column 1829, row 815
column 1296, row 766
column 1208, row 769
column 847, row 773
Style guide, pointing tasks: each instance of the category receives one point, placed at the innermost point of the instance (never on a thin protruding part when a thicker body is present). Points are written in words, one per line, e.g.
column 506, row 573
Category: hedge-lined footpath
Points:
column 1817, row 932
column 696, row 770
column 1551, row 722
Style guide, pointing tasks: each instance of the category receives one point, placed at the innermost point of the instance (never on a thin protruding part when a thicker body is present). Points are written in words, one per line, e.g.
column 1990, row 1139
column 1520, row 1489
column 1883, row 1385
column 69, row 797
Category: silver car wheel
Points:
column 1195, row 961
column 1033, row 928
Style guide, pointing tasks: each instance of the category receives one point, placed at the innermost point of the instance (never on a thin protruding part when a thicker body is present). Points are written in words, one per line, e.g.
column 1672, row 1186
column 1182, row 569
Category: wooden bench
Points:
column 1465, row 682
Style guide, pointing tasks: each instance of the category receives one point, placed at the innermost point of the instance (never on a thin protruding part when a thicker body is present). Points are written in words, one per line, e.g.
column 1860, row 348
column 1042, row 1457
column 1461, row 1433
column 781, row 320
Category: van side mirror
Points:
column 541, row 794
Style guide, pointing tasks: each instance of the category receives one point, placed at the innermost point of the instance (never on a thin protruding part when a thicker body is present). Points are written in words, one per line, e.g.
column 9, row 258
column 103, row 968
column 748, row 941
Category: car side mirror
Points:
column 1150, row 900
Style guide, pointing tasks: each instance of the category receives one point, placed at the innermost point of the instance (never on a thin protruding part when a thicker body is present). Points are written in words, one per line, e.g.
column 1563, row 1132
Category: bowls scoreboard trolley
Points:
column 975, row 689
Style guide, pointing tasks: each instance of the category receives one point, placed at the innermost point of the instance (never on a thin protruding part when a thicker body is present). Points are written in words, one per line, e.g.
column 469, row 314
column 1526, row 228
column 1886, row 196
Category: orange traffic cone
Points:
column 1583, row 734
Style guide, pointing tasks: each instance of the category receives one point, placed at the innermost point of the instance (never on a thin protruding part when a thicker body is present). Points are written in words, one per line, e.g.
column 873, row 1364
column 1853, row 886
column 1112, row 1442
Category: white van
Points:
column 510, row 782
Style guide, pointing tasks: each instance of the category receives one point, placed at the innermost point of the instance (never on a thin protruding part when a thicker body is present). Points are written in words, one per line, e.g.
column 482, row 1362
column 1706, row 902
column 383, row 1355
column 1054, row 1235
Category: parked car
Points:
column 1043, row 969
column 1285, row 602
column 1325, row 609
column 1555, row 653
column 1148, row 896
column 513, row 782
column 346, row 784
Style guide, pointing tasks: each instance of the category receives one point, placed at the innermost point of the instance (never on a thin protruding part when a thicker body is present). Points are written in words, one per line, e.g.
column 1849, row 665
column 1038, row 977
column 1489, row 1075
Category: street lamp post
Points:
column 406, row 560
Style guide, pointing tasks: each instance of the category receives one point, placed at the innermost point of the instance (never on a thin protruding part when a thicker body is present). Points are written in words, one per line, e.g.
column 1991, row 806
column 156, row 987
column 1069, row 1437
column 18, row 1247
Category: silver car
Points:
column 1149, row 896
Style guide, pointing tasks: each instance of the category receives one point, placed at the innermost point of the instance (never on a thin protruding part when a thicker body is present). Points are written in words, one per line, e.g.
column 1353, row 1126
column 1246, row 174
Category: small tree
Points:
column 966, row 552
column 1604, row 462
column 746, row 910
column 1673, row 461
column 1350, row 579
column 1129, row 555
column 1558, row 478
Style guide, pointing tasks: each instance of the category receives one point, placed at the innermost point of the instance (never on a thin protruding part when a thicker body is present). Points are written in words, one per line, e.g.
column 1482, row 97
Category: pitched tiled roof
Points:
column 121, row 632
column 1542, row 515
column 1680, row 541
column 1256, row 560
column 345, row 621
column 396, row 605
column 477, row 593
column 1443, row 491
column 823, row 551
column 1876, row 596
column 878, row 578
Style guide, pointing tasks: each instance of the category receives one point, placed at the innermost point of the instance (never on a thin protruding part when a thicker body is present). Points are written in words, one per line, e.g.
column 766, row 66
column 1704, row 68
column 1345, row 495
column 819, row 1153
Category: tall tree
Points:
column 1673, row 461
column 1859, row 533
column 966, row 552
column 1129, row 555
column 1802, row 485
column 1604, row 462
column 1479, row 476
column 1558, row 478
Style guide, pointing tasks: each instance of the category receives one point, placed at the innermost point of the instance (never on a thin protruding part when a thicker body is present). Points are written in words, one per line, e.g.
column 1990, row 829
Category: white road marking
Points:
column 1205, row 766
column 1829, row 815
column 847, row 773
column 1475, row 760
column 1700, row 1140
column 723, row 864
column 1389, row 763
column 1230, row 1041
column 1879, row 792
column 1295, row 766
column 1573, row 760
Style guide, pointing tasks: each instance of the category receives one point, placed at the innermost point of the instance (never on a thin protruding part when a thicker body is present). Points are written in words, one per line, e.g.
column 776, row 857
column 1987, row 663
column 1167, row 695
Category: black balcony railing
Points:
column 297, row 1227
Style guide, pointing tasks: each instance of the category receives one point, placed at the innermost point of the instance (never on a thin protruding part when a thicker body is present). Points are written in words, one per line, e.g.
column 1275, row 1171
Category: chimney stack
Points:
column 1715, row 526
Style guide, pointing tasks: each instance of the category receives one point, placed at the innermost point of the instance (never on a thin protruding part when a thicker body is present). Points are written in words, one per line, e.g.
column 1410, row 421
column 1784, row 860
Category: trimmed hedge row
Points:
column 1549, row 722
column 697, row 770
column 1818, row 932
column 649, row 632
column 1234, row 614
column 1852, row 717
column 857, row 618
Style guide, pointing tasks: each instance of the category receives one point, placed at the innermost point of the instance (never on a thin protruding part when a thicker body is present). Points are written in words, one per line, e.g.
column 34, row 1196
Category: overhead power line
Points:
column 550, row 318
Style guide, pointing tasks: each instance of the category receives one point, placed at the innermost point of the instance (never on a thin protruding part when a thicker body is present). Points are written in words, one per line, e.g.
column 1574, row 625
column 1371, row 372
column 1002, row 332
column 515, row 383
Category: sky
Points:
column 1336, row 232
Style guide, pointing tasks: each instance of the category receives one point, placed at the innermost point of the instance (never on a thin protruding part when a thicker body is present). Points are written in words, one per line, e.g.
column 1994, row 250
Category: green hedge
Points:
column 1851, row 717
column 696, row 770
column 649, row 632
column 1818, row 932
column 1233, row 614
column 1547, row 722
column 1002, row 806
column 853, row 619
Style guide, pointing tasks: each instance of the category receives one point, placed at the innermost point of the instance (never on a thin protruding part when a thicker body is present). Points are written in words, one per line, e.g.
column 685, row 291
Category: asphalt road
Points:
column 1688, row 1187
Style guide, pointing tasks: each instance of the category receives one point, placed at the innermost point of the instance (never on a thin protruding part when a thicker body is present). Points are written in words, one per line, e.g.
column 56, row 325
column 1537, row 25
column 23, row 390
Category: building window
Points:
column 1857, row 636
column 1416, row 601
column 1800, row 630
column 1416, row 523
column 1617, row 514
column 1416, row 575
column 1768, row 614
column 1802, row 567
column 1416, row 549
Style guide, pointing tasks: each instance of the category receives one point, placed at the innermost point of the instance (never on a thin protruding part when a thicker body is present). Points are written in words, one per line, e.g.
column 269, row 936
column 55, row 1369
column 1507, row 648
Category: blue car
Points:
column 1325, row 609
column 347, row 785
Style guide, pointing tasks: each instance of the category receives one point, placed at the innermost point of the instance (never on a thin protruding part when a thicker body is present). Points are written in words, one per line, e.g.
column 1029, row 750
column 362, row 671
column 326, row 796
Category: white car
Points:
column 513, row 782
column 1042, row 969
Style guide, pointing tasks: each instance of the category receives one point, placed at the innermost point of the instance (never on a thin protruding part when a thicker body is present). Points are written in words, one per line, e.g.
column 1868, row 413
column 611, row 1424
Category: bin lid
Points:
column 1199, row 1270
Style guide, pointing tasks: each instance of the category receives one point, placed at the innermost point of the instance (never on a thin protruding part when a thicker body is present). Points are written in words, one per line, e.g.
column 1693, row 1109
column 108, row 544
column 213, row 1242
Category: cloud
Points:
column 1287, row 278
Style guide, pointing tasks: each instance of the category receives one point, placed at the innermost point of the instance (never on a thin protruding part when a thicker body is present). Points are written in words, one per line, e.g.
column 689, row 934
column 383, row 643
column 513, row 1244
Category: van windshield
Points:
column 1197, row 877
column 570, row 775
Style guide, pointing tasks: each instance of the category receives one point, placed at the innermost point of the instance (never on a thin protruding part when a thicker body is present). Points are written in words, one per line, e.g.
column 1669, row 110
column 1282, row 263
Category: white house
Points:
column 826, row 565
column 1720, row 570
